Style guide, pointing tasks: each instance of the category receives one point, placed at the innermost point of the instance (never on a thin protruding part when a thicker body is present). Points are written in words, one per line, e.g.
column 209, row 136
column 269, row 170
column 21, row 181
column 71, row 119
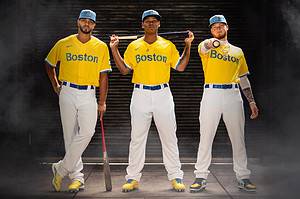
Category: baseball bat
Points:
column 106, row 168
column 176, row 33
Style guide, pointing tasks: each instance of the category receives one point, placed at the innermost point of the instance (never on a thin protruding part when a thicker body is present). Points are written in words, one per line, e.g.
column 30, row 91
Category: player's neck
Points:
column 224, row 39
column 150, row 38
column 83, row 38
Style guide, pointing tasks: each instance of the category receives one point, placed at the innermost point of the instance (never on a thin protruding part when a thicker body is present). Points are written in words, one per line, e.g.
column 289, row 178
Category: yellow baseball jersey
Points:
column 151, row 63
column 80, row 63
column 223, row 65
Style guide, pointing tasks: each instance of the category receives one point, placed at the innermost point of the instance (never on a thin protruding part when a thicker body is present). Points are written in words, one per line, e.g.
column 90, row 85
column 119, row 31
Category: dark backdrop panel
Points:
column 45, row 22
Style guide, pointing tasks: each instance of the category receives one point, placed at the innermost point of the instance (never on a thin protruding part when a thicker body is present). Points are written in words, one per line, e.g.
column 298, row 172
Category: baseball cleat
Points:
column 76, row 186
column 198, row 185
column 57, row 179
column 246, row 185
column 178, row 185
column 130, row 185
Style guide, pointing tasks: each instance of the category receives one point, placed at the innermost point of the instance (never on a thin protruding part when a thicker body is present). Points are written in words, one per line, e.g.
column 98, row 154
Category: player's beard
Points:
column 85, row 31
column 220, row 36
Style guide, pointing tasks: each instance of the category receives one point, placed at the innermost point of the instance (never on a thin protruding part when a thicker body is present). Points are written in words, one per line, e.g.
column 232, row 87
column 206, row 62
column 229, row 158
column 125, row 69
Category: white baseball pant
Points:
column 227, row 103
column 158, row 104
column 78, row 110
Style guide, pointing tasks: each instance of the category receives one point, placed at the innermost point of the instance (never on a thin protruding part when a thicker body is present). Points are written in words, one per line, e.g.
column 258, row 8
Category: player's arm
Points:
column 247, row 91
column 208, row 44
column 53, row 77
column 119, row 61
column 185, row 57
column 205, row 46
column 103, row 89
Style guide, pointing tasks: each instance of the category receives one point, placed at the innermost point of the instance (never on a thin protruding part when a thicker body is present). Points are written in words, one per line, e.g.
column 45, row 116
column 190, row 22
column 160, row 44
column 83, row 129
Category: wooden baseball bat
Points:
column 106, row 168
column 176, row 33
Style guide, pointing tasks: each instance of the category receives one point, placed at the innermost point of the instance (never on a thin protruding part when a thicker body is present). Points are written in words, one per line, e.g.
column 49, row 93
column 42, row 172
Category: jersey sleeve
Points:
column 175, row 58
column 199, row 48
column 243, row 69
column 105, row 65
column 54, row 55
column 129, row 57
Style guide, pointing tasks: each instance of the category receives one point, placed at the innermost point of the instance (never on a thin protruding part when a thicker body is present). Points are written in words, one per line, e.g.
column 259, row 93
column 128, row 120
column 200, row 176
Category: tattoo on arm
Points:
column 206, row 45
column 248, row 94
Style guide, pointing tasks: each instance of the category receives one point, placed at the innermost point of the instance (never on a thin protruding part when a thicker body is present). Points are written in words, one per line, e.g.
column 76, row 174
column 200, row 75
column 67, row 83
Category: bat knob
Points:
column 216, row 43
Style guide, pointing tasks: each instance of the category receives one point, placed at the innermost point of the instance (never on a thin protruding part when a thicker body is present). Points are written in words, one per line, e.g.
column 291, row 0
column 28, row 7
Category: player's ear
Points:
column 142, row 24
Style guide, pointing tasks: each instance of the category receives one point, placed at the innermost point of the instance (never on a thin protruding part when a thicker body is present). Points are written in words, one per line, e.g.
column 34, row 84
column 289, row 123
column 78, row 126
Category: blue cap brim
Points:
column 156, row 16
column 87, row 18
column 216, row 22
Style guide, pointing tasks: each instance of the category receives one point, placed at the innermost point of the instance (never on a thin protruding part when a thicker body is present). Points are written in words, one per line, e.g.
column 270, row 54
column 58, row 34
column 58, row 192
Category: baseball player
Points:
column 151, row 58
column 83, row 65
column 225, row 70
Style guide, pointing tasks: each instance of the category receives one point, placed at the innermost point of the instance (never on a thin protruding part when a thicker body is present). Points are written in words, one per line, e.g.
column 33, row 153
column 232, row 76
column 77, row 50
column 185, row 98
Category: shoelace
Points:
column 178, row 180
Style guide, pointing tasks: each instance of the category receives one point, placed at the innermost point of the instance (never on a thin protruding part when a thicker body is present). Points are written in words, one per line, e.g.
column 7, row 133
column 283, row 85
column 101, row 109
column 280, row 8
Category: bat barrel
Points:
column 128, row 37
column 216, row 43
column 174, row 33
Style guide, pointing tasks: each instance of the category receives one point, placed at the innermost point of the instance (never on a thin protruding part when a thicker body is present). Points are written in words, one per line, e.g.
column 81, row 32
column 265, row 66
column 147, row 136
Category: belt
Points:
column 152, row 88
column 79, row 87
column 221, row 86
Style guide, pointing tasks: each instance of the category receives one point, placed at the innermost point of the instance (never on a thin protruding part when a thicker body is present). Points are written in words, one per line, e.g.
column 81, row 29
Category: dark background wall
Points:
column 267, row 31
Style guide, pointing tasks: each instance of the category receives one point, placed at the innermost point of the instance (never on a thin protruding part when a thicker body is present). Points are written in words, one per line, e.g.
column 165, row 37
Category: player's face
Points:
column 151, row 25
column 86, row 26
column 219, row 30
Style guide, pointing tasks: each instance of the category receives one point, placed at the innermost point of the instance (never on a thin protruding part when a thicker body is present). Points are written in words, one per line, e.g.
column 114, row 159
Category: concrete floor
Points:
column 154, row 184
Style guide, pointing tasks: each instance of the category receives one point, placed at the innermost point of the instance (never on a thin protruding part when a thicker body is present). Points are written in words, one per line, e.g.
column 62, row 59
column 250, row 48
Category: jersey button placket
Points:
column 83, row 62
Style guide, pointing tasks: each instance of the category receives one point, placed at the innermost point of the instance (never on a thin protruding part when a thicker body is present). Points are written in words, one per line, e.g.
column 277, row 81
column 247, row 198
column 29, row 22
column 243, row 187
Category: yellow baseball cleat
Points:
column 130, row 185
column 57, row 179
column 178, row 185
column 76, row 186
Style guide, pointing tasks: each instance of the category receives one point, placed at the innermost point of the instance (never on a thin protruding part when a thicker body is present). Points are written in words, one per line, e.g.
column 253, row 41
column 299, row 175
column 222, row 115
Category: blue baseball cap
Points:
column 217, row 19
column 150, row 13
column 87, row 14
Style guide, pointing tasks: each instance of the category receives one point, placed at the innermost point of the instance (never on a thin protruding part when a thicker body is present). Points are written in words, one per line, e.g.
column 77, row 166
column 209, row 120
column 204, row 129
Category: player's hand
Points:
column 114, row 41
column 208, row 43
column 101, row 110
column 254, row 111
column 188, row 41
column 57, row 89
